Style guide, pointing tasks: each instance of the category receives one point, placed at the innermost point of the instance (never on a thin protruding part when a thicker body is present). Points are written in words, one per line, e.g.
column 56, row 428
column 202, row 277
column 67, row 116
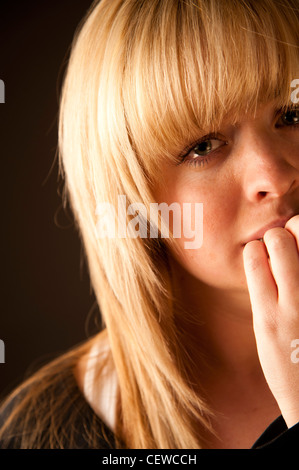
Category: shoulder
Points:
column 50, row 411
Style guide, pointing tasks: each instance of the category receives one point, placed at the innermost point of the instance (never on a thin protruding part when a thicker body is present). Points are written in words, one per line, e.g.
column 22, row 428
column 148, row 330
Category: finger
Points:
column 292, row 226
column 283, row 253
column 261, row 284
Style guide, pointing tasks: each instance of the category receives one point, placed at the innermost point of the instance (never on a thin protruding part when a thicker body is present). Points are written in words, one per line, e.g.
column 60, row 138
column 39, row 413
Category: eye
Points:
column 290, row 117
column 205, row 147
column 202, row 151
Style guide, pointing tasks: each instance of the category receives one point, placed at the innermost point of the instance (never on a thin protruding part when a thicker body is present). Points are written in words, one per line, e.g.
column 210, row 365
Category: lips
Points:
column 259, row 234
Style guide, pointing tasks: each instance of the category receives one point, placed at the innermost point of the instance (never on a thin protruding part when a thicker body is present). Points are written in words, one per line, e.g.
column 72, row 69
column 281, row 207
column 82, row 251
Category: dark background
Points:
column 46, row 301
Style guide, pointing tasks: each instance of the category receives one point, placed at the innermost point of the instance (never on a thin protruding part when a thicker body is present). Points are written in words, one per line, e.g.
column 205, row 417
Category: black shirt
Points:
column 276, row 436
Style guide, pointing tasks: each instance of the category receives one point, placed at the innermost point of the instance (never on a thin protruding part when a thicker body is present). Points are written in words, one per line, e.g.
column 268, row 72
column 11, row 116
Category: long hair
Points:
column 144, row 78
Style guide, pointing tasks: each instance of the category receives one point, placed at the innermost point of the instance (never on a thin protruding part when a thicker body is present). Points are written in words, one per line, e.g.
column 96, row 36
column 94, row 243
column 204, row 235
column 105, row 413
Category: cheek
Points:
column 219, row 259
column 214, row 252
column 216, row 214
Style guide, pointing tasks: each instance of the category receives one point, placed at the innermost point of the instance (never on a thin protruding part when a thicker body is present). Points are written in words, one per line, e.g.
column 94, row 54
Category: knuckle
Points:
column 267, row 323
column 277, row 238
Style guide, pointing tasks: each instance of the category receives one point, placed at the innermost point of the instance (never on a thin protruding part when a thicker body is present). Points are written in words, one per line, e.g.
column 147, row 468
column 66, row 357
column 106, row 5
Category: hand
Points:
column 273, row 285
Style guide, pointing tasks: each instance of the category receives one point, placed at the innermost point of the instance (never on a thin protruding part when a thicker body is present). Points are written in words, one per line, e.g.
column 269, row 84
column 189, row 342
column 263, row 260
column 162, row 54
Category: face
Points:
column 247, row 177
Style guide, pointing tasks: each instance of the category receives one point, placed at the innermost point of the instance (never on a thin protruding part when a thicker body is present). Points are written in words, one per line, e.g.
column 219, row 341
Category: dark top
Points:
column 276, row 436
column 78, row 426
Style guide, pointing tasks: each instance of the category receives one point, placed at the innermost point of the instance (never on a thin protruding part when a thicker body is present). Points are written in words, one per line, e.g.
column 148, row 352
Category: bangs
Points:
column 190, row 64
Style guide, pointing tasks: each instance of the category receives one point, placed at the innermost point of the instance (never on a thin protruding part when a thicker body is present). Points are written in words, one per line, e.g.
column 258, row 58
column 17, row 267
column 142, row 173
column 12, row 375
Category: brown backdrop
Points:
column 45, row 295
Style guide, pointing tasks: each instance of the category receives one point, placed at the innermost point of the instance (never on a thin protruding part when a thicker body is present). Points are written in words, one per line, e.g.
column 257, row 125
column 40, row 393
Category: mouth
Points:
column 259, row 234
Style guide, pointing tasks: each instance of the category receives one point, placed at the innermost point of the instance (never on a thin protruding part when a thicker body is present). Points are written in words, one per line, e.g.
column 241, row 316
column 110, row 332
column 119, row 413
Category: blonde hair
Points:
column 143, row 80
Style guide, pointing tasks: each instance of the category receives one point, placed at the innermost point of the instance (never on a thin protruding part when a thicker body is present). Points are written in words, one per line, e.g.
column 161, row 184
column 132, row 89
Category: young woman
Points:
column 182, row 102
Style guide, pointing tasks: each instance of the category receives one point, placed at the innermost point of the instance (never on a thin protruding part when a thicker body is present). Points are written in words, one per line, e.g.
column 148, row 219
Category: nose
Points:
column 270, row 169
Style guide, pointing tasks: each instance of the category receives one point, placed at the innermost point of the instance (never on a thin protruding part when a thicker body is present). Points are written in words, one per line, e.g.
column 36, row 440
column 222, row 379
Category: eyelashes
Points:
column 290, row 117
column 206, row 146
column 199, row 153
